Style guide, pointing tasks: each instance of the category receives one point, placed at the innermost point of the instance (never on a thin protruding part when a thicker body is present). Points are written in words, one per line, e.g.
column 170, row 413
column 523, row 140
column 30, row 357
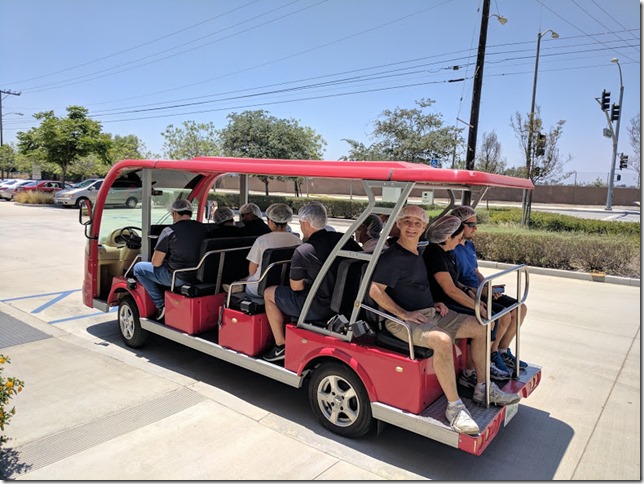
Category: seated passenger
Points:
column 368, row 233
column 305, row 266
column 444, row 234
column 400, row 286
column 251, row 216
column 225, row 220
column 278, row 216
column 177, row 248
column 471, row 277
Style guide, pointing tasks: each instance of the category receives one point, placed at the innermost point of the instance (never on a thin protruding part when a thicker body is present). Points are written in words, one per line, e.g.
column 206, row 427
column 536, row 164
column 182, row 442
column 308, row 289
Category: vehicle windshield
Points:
column 84, row 183
column 31, row 184
column 167, row 186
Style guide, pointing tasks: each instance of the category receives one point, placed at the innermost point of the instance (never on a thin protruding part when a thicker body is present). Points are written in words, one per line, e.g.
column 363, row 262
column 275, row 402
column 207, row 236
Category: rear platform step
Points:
column 432, row 423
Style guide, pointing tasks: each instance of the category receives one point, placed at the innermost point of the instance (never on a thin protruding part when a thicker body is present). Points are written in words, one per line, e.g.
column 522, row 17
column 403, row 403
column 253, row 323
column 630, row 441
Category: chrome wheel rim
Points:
column 338, row 401
column 126, row 321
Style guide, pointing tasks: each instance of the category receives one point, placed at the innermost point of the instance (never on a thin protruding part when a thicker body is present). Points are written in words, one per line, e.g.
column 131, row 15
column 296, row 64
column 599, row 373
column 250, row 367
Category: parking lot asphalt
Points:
column 93, row 408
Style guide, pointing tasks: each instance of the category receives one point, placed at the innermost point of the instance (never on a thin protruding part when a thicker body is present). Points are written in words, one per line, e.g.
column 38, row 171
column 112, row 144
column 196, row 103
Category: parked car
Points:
column 47, row 186
column 8, row 182
column 123, row 192
column 6, row 191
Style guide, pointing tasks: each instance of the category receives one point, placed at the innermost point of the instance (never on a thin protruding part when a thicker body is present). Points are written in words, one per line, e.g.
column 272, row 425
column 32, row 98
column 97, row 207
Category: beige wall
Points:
column 569, row 195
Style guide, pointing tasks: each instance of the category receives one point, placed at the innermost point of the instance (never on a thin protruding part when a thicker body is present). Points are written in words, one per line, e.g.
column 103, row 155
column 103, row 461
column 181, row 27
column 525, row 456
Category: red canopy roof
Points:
column 361, row 170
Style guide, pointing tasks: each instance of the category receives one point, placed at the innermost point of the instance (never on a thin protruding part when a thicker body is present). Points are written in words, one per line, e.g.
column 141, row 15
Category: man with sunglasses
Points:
column 470, row 276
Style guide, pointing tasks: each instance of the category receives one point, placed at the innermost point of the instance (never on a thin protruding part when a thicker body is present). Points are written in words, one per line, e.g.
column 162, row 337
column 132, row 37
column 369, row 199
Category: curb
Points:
column 583, row 276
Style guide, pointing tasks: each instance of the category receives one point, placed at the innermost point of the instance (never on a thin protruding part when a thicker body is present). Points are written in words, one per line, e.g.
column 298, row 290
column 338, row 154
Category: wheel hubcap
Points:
column 126, row 321
column 338, row 401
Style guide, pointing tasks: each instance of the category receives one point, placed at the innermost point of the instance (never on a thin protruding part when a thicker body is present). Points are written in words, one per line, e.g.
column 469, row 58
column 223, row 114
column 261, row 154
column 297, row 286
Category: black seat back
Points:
column 235, row 264
column 278, row 274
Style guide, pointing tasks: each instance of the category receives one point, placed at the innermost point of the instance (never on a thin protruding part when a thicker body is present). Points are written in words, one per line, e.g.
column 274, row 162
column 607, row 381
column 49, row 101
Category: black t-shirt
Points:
column 438, row 260
column 307, row 261
column 181, row 243
column 225, row 231
column 405, row 276
column 254, row 227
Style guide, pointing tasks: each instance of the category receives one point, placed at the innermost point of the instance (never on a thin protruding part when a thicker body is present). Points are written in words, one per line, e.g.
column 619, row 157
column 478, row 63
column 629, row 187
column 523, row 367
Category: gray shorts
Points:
column 450, row 323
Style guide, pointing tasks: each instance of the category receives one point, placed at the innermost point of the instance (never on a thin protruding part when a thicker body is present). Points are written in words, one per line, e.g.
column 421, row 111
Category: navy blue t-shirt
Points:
column 405, row 276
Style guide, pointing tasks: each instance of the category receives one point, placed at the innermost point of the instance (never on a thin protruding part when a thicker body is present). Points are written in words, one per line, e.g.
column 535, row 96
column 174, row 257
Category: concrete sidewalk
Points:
column 95, row 409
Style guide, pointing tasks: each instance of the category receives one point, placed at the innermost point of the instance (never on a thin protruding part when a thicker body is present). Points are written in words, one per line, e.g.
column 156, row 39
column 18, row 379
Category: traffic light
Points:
column 605, row 100
column 540, row 148
column 614, row 112
column 623, row 161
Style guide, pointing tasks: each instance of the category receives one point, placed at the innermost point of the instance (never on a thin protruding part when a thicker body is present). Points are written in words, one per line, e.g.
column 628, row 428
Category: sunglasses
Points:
column 471, row 225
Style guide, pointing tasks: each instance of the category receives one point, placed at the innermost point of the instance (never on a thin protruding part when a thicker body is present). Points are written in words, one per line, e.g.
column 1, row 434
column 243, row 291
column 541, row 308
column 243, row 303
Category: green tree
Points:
column 7, row 160
column 61, row 141
column 256, row 134
column 489, row 156
column 414, row 135
column 191, row 141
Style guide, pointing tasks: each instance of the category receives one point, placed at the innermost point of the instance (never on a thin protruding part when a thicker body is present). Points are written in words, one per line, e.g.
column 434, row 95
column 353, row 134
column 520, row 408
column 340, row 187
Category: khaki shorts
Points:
column 450, row 323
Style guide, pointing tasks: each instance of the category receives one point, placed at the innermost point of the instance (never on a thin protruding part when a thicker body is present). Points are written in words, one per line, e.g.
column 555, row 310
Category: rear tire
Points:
column 131, row 202
column 129, row 323
column 339, row 400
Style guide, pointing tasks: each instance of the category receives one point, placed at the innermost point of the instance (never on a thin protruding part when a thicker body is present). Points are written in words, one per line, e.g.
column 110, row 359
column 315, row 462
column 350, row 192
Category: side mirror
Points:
column 85, row 213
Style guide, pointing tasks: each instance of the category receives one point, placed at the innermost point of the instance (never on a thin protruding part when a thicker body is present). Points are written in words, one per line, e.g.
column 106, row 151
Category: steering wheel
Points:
column 130, row 237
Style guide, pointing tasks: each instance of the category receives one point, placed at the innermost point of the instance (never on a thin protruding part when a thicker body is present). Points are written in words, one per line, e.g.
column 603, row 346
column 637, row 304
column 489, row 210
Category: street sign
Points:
column 434, row 163
column 608, row 133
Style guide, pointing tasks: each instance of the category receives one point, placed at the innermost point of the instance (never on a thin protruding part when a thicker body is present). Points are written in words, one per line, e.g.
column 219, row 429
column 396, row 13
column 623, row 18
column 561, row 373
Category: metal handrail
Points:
column 132, row 265
column 397, row 321
column 261, row 278
column 203, row 258
column 487, row 283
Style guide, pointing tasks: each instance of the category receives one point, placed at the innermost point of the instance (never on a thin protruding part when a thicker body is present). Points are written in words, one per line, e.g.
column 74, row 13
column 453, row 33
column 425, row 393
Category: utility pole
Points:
column 8, row 93
column 476, row 98
column 615, row 116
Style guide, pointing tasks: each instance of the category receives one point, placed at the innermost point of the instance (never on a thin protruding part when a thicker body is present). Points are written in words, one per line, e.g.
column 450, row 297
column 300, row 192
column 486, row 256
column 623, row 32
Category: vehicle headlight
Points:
column 63, row 195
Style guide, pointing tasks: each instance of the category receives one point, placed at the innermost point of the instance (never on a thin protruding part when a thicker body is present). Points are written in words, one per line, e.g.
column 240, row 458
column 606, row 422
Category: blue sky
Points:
column 124, row 60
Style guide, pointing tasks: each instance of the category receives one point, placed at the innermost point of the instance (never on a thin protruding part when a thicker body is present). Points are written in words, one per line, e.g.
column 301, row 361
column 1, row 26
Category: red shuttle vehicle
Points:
column 357, row 373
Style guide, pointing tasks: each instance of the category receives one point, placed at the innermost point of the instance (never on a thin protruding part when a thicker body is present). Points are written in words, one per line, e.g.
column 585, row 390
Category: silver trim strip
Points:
column 257, row 365
column 425, row 426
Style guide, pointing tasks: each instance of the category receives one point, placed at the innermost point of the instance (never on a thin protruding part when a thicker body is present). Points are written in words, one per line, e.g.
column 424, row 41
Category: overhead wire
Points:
column 138, row 46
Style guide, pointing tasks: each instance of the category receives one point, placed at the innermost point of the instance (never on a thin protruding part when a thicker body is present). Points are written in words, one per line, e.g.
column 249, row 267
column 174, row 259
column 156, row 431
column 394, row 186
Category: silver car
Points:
column 122, row 193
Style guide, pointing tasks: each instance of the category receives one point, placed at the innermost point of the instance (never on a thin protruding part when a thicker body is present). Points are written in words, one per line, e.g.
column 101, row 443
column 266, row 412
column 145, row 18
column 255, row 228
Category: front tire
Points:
column 339, row 400
column 129, row 323
column 131, row 202
column 79, row 202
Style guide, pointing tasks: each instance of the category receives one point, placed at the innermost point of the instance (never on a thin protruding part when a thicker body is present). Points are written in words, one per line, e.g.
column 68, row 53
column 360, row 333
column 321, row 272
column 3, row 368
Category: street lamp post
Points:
column 609, row 197
column 527, row 195
column 476, row 93
column 8, row 93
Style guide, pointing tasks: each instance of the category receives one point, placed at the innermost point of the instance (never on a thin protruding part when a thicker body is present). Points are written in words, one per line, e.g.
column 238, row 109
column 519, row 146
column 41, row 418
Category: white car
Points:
column 7, row 189
column 123, row 192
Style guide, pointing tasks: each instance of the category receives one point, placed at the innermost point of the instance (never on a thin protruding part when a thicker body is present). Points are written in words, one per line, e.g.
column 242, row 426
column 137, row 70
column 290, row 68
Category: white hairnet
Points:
column 250, row 208
column 463, row 212
column 440, row 230
column 280, row 213
column 223, row 214
column 181, row 205
column 413, row 211
column 313, row 213
column 373, row 226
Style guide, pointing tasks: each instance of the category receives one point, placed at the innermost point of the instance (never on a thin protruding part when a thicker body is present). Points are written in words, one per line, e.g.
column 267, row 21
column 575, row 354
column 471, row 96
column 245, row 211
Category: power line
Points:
column 136, row 46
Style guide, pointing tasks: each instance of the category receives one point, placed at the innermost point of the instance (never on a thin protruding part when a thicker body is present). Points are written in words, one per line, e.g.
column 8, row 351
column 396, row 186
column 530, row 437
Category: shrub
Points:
column 580, row 252
column 34, row 197
column 8, row 388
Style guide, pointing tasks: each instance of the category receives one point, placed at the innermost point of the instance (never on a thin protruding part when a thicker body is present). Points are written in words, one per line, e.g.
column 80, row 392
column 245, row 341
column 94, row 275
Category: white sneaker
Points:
column 460, row 419
column 497, row 396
